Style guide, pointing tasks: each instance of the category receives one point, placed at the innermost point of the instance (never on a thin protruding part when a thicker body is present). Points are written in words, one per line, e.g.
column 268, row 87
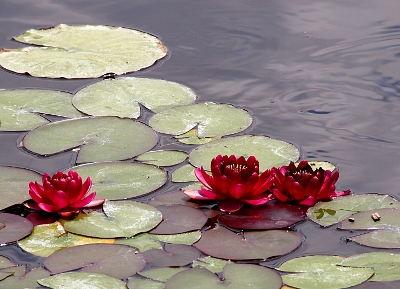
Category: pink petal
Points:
column 73, row 191
column 31, row 204
column 194, row 194
column 36, row 192
column 297, row 191
column 340, row 193
column 68, row 212
column 264, row 198
column 84, row 201
column 280, row 196
column 230, row 205
column 211, row 195
column 95, row 202
column 85, row 188
column 61, row 199
column 203, row 177
column 48, row 208
column 237, row 191
column 310, row 201
column 313, row 187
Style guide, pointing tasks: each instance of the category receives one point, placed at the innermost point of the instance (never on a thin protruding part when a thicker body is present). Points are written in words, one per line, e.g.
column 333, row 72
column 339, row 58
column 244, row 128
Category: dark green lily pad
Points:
column 163, row 158
column 19, row 108
column 179, row 219
column 161, row 274
column 272, row 215
column 234, row 276
column 268, row 151
column 214, row 265
column 13, row 228
column 99, row 138
column 119, row 261
column 19, row 280
column 332, row 212
column 316, row 272
column 121, row 97
column 210, row 119
column 183, row 174
column 174, row 256
column 82, row 280
column 136, row 283
column 386, row 265
column 82, row 51
column 225, row 244
column 120, row 219
column 122, row 180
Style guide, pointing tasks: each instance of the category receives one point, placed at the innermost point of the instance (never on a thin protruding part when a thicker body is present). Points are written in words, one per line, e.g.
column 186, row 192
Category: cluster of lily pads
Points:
column 175, row 240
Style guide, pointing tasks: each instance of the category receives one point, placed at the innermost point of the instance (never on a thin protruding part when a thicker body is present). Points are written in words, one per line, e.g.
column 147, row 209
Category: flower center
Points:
column 236, row 167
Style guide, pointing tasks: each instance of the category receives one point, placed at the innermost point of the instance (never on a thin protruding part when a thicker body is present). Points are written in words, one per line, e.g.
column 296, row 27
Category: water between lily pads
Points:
column 323, row 75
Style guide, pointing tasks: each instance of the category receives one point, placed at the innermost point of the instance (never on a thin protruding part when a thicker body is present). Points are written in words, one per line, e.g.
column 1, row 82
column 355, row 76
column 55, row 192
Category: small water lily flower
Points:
column 62, row 194
column 234, row 182
column 304, row 185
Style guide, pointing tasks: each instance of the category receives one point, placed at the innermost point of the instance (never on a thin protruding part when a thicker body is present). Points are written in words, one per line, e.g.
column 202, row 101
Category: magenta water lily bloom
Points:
column 63, row 194
column 304, row 185
column 233, row 181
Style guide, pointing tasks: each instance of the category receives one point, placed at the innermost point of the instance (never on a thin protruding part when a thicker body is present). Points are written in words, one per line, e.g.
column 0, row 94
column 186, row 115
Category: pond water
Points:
column 323, row 75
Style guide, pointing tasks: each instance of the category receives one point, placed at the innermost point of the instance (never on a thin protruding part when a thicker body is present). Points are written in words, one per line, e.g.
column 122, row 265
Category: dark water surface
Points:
column 323, row 75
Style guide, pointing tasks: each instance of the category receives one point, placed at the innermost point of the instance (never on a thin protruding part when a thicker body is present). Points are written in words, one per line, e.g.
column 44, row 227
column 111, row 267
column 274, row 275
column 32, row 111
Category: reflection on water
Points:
column 321, row 74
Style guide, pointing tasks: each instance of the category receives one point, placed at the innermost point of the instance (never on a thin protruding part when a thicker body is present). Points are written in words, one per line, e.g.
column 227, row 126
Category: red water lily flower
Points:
column 304, row 185
column 234, row 181
column 62, row 194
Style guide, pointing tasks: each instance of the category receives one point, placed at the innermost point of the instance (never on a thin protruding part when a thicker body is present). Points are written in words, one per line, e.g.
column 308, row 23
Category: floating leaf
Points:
column 329, row 213
column 183, row 174
column 82, row 51
column 122, row 180
column 121, row 97
column 214, row 265
column 46, row 239
column 119, row 261
column 174, row 255
column 269, row 152
column 19, row 280
column 136, row 283
column 120, row 219
column 19, row 108
column 191, row 137
column 315, row 272
column 211, row 119
column 99, row 138
column 161, row 274
column 13, row 228
column 388, row 239
column 225, row 244
column 173, row 198
column 163, row 158
column 5, row 262
column 321, row 164
column 234, row 276
column 188, row 238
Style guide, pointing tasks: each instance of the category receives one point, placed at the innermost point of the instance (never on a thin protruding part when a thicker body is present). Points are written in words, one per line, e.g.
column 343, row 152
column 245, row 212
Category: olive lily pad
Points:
column 173, row 198
column 13, row 228
column 211, row 119
column 175, row 255
column 19, row 108
column 121, row 97
column 191, row 138
column 163, row 158
column 122, row 180
column 120, row 219
column 99, row 138
column 322, row 164
column 214, row 265
column 183, row 174
column 5, row 262
column 269, row 152
column 82, row 51
column 161, row 274
column 136, row 283
column 19, row 280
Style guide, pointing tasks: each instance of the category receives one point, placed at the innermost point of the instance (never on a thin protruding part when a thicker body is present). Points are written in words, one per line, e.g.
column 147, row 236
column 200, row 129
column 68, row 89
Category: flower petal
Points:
column 230, row 205
column 204, row 178
column 95, row 202
column 48, row 208
column 237, row 191
column 310, row 201
column 211, row 195
column 84, row 201
column 262, row 199
column 195, row 194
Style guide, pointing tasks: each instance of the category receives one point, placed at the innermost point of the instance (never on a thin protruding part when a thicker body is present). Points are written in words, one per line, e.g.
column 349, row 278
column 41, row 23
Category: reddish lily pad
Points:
column 119, row 261
column 272, row 215
column 174, row 255
column 13, row 228
column 225, row 244
column 179, row 219
column 19, row 280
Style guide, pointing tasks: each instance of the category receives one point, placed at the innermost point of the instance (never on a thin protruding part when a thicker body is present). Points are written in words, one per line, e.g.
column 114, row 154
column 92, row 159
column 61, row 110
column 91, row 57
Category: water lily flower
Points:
column 62, row 194
column 234, row 182
column 304, row 185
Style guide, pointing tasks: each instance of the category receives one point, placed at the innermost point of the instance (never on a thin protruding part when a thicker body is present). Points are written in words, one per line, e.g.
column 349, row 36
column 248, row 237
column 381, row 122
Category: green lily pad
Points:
column 19, row 108
column 19, row 280
column 234, row 276
column 48, row 238
column 191, row 138
column 195, row 186
column 121, row 97
column 225, row 244
column 214, row 265
column 175, row 255
column 173, row 198
column 332, row 212
column 163, row 158
column 161, row 274
column 136, row 283
column 122, row 180
column 82, row 51
column 322, row 164
column 387, row 239
column 99, row 138
column 269, row 152
column 183, row 174
column 5, row 262
column 13, row 228
column 188, row 238
column 82, row 280
column 120, row 219
column 211, row 120
column 386, row 265
column 14, row 185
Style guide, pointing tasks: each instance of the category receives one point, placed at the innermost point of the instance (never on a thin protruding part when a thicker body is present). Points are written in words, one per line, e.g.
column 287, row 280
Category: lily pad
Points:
column 5, row 262
column 173, row 256
column 332, row 212
column 210, row 119
column 19, row 280
column 272, row 215
column 225, row 244
column 82, row 51
column 315, row 272
column 161, row 274
column 387, row 239
column 322, row 164
column 173, row 198
column 163, row 158
column 14, row 185
column 119, row 261
column 19, row 108
column 46, row 239
column 192, row 138
column 82, row 280
column 188, row 238
column 214, row 265
column 13, row 228
column 269, row 152
column 122, row 180
column 121, row 97
column 99, row 138
column 136, row 283
column 120, row 219
column 183, row 174
column 234, row 276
